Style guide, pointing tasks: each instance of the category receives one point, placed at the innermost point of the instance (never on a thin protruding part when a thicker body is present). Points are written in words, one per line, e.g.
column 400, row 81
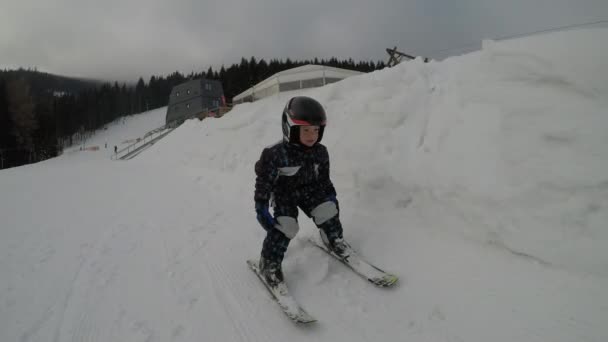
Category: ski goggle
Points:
column 296, row 122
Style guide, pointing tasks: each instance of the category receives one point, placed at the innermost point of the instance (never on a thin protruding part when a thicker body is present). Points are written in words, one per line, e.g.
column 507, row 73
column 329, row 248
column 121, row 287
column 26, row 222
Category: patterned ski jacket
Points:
column 285, row 169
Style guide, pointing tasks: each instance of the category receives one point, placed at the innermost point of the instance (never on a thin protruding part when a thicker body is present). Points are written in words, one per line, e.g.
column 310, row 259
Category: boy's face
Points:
column 309, row 135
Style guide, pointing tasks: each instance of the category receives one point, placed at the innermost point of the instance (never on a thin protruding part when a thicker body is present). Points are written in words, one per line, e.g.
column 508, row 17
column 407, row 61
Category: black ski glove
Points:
column 263, row 215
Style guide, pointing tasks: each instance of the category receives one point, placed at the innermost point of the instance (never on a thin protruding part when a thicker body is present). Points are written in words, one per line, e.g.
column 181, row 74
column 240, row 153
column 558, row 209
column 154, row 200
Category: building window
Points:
column 207, row 86
column 177, row 94
column 188, row 91
column 188, row 105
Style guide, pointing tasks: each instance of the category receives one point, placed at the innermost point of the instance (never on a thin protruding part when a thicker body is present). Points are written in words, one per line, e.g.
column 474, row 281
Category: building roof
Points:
column 309, row 71
column 313, row 67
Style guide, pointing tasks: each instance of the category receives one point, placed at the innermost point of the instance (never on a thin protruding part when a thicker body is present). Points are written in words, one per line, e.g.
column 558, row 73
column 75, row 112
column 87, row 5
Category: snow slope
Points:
column 122, row 132
column 481, row 180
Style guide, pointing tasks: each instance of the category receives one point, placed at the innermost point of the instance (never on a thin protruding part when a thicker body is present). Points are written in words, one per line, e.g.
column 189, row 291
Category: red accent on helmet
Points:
column 301, row 122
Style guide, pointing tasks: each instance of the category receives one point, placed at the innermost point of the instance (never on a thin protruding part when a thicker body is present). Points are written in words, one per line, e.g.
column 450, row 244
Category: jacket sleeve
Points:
column 266, row 174
column 324, row 179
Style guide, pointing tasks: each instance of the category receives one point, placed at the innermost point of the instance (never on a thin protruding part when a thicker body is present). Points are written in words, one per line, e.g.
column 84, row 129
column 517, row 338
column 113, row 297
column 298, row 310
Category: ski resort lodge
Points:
column 194, row 98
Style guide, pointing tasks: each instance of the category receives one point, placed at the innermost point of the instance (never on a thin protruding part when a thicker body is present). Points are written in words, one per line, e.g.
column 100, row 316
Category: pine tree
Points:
column 139, row 96
column 21, row 111
column 7, row 140
column 263, row 70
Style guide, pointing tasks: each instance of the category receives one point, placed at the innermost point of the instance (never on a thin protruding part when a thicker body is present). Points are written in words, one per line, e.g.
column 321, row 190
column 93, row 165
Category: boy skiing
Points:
column 292, row 174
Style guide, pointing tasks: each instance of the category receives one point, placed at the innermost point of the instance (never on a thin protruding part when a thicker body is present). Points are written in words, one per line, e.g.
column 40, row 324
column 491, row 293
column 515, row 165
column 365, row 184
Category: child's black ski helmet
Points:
column 302, row 111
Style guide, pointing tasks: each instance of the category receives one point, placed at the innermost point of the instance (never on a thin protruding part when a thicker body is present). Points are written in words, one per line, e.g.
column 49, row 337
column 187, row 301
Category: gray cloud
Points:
column 123, row 40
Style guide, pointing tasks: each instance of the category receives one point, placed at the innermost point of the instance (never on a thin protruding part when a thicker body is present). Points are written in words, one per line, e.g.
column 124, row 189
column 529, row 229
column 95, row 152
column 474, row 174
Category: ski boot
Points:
column 340, row 247
column 271, row 271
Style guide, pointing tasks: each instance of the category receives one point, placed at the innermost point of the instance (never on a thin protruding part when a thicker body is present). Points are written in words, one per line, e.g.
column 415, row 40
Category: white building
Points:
column 307, row 76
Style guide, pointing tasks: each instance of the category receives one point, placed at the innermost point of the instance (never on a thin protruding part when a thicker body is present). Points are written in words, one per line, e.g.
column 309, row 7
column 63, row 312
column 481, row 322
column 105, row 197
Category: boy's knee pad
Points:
column 324, row 212
column 288, row 226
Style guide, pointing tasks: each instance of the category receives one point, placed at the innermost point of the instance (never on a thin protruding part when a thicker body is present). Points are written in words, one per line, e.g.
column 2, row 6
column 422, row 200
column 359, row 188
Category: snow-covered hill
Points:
column 481, row 180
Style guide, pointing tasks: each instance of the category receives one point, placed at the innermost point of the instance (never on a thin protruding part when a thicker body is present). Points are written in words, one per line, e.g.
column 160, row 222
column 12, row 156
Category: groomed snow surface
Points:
column 482, row 181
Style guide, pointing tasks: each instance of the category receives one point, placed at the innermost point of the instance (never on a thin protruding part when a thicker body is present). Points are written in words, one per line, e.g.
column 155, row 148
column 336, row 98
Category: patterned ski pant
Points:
column 324, row 213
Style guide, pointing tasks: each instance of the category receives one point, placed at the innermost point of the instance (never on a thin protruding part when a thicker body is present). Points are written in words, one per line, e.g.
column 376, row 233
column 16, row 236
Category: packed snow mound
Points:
column 511, row 139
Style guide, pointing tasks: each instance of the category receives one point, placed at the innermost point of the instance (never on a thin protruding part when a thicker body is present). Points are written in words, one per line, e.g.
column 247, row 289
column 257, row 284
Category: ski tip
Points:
column 305, row 321
column 253, row 263
column 303, row 317
column 386, row 281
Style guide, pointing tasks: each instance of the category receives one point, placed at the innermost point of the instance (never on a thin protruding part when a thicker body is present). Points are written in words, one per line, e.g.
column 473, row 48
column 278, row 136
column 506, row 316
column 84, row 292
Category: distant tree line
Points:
column 41, row 114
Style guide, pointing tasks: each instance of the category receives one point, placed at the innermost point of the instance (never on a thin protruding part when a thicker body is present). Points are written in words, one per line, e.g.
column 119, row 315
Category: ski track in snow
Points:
column 232, row 294
column 95, row 284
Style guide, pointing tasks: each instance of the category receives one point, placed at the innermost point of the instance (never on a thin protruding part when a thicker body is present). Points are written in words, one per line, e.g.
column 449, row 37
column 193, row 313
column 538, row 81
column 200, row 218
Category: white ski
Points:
column 360, row 266
column 281, row 295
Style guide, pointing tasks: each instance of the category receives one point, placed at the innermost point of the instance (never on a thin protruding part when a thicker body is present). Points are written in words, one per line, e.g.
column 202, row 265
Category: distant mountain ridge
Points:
column 42, row 83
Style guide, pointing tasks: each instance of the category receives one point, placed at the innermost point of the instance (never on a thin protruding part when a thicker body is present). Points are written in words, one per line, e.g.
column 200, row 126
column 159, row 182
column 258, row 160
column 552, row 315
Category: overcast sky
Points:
column 123, row 40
